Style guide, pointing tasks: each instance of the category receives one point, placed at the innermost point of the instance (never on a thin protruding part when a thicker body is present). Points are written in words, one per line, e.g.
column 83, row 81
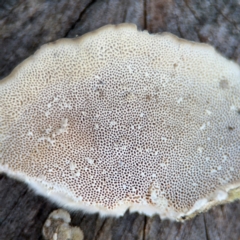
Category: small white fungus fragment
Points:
column 203, row 126
column 72, row 166
column 208, row 112
column 233, row 108
column 130, row 69
column 77, row 174
column 200, row 149
column 180, row 100
column 89, row 160
column 113, row 123
column 30, row 134
column 164, row 139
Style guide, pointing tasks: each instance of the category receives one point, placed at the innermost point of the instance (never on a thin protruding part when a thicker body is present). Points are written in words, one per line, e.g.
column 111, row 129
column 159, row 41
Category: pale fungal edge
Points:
column 79, row 40
column 222, row 195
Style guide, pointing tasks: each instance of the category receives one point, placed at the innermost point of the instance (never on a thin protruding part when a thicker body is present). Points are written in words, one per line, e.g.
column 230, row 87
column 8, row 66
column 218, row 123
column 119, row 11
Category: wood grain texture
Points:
column 25, row 25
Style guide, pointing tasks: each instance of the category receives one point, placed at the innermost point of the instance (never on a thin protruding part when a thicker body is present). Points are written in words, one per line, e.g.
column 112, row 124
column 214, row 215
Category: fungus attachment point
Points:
column 122, row 119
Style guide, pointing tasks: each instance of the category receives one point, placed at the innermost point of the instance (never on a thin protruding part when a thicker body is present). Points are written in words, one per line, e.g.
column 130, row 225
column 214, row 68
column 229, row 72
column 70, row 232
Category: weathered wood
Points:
column 27, row 24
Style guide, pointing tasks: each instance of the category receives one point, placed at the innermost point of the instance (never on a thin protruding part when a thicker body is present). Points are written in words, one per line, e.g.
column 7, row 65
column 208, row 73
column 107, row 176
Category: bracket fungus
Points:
column 119, row 119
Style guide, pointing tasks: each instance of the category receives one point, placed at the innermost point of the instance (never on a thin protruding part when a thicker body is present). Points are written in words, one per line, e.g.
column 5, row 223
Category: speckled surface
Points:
column 26, row 25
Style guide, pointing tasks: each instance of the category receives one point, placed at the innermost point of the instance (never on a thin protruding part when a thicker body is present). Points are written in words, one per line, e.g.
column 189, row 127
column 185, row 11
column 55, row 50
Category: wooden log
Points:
column 25, row 25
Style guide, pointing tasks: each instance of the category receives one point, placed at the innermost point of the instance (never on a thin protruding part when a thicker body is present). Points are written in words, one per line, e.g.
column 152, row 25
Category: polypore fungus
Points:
column 122, row 119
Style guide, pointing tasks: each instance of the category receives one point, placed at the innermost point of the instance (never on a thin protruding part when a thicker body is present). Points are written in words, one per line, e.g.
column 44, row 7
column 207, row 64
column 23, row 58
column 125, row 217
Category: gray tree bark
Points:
column 25, row 25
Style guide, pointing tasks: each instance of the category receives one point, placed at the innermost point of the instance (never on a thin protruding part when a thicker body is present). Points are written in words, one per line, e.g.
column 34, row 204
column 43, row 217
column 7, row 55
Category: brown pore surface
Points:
column 135, row 226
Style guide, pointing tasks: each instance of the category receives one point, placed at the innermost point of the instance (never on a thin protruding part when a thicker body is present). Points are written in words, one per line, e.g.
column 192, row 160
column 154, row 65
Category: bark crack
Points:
column 205, row 227
column 144, row 228
column 226, row 17
column 192, row 11
column 100, row 229
column 145, row 25
column 14, row 205
column 80, row 17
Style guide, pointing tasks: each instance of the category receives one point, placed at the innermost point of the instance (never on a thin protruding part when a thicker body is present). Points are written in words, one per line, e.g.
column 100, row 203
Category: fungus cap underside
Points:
column 123, row 119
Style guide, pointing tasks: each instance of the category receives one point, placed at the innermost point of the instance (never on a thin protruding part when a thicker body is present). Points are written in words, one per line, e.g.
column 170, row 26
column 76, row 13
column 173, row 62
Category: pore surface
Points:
column 121, row 118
